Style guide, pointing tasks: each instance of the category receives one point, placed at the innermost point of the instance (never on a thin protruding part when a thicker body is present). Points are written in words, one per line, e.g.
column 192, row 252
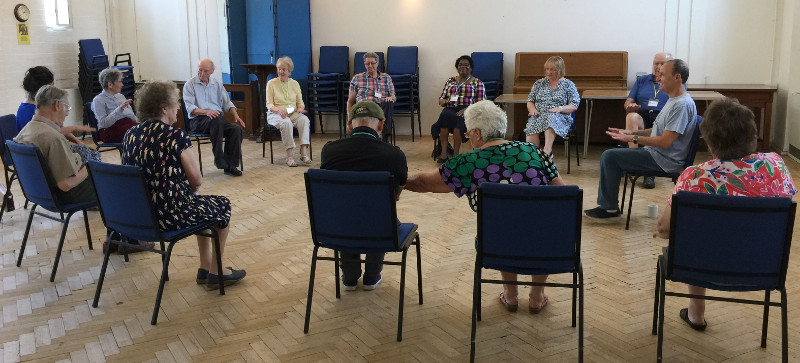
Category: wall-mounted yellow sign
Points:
column 22, row 34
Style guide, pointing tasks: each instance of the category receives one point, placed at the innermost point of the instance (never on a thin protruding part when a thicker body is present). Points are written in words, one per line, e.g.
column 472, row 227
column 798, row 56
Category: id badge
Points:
column 454, row 98
column 653, row 102
column 377, row 94
column 290, row 109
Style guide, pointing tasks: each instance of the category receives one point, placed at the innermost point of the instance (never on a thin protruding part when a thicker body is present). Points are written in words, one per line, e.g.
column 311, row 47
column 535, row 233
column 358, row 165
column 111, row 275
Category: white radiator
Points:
column 793, row 122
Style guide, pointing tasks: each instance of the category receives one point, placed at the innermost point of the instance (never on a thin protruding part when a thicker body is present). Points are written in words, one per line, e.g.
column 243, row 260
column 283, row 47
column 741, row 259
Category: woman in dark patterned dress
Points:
column 494, row 160
column 172, row 173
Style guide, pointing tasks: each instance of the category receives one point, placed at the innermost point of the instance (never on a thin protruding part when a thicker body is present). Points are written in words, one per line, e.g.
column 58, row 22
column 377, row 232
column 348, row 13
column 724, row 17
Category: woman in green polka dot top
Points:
column 494, row 160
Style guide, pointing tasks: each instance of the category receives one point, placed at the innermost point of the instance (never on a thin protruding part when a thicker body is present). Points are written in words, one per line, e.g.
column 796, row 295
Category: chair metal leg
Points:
column 765, row 319
column 660, row 318
column 60, row 246
column 574, row 292
column 402, row 296
column 580, row 315
column 566, row 151
column 88, row 233
column 657, row 292
column 784, row 328
column 163, row 280
column 419, row 270
column 310, row 288
column 336, row 273
column 476, row 298
column 25, row 238
column 163, row 258
column 624, row 191
column 199, row 155
column 630, row 202
column 102, row 278
column 218, row 252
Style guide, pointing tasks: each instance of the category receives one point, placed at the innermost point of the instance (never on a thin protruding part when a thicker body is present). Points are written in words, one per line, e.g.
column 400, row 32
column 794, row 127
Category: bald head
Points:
column 205, row 69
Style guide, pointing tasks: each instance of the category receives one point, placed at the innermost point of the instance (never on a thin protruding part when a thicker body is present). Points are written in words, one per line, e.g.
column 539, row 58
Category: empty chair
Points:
column 39, row 187
column 324, row 86
column 529, row 230
column 737, row 257
column 489, row 69
column 402, row 64
column 333, row 212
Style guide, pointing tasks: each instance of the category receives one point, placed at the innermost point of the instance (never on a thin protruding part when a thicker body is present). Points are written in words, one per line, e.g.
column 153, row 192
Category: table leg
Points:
column 589, row 105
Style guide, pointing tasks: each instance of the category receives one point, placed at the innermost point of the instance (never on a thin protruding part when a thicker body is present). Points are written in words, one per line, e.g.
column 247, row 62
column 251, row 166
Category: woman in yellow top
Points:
column 286, row 109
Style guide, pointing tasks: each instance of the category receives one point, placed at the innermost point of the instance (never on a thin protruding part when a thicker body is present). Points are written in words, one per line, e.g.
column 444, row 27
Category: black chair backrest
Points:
column 488, row 66
column 529, row 229
column 333, row 59
column 693, row 144
column 124, row 200
column 336, row 200
column 34, row 176
column 731, row 243
column 91, row 119
column 8, row 130
column 402, row 60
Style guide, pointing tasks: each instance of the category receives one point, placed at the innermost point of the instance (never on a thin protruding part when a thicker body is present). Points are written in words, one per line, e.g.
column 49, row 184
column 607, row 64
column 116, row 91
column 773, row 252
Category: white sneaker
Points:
column 373, row 286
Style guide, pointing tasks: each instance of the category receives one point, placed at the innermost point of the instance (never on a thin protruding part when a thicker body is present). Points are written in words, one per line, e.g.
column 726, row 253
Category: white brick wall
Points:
column 57, row 50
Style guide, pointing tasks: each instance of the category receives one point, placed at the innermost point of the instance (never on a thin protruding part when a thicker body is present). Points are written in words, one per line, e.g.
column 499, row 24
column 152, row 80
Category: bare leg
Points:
column 456, row 141
column 509, row 291
column 208, row 259
column 290, row 152
column 697, row 307
column 534, row 138
column 549, row 137
column 444, row 133
column 537, row 296
column 633, row 122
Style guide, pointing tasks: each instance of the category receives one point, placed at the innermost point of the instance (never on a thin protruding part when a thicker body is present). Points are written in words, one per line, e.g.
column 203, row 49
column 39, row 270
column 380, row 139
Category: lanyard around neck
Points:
column 285, row 89
column 656, row 91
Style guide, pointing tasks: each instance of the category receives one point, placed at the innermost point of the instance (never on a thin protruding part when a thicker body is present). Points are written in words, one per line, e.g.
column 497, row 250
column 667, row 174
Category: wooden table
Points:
column 758, row 96
column 591, row 95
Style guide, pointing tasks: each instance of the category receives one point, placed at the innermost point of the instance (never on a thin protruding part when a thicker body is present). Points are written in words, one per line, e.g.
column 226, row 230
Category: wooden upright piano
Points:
column 588, row 70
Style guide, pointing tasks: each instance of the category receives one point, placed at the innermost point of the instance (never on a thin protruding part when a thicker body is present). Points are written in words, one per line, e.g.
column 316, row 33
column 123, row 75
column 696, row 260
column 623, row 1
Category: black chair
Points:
column 507, row 213
column 489, row 69
column 38, row 186
column 572, row 138
column 632, row 177
column 8, row 130
column 91, row 120
column 201, row 139
column 402, row 64
column 334, row 197
column 324, row 87
column 735, row 257
column 126, row 207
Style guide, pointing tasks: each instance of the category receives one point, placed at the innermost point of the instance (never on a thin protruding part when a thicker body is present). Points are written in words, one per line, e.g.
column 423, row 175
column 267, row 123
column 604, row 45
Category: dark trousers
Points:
column 388, row 112
column 648, row 116
column 80, row 193
column 219, row 130
column 351, row 270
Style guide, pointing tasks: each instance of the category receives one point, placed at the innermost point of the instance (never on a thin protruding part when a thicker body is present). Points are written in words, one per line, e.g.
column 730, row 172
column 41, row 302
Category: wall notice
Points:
column 22, row 34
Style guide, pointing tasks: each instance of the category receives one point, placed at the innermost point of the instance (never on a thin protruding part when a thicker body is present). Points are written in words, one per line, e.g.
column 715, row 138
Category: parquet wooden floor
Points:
column 261, row 319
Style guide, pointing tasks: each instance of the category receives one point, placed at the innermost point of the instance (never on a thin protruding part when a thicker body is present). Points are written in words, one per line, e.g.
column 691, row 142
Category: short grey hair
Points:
column 364, row 120
column 487, row 117
column 372, row 55
column 48, row 95
column 109, row 75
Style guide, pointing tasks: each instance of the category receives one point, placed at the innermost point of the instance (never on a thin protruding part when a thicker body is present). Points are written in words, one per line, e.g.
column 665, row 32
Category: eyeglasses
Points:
column 66, row 106
column 463, row 65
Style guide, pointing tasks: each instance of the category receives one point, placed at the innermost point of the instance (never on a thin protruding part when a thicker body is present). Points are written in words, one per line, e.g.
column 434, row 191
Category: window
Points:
column 57, row 14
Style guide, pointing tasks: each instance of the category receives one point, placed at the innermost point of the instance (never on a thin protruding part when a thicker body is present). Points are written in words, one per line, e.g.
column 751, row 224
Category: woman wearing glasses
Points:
column 458, row 93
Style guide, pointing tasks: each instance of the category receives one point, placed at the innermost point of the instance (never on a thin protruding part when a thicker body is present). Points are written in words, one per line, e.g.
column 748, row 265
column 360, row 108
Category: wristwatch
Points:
column 636, row 139
column 560, row 109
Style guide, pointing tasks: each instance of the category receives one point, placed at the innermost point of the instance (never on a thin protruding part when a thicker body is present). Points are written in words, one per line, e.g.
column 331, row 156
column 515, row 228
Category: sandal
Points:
column 510, row 307
column 536, row 310
column 290, row 162
column 305, row 159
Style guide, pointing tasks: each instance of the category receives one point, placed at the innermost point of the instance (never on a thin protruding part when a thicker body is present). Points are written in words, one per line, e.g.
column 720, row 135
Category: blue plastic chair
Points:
column 202, row 139
column 39, row 187
column 88, row 114
column 489, row 69
column 8, row 130
column 674, row 176
column 402, row 64
column 324, row 87
column 749, row 253
column 125, row 206
column 529, row 230
column 334, row 198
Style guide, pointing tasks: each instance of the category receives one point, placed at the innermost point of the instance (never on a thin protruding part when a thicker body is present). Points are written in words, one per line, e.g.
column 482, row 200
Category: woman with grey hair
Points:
column 113, row 112
column 494, row 160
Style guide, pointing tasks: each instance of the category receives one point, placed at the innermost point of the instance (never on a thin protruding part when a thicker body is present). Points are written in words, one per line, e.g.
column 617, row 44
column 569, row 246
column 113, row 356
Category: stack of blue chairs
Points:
column 324, row 87
column 93, row 59
column 489, row 69
column 402, row 64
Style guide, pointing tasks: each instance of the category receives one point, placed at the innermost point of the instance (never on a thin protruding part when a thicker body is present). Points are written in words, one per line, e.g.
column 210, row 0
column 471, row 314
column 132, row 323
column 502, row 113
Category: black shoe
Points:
column 233, row 171
column 601, row 213
column 649, row 182
column 220, row 163
column 202, row 276
column 212, row 281
column 685, row 317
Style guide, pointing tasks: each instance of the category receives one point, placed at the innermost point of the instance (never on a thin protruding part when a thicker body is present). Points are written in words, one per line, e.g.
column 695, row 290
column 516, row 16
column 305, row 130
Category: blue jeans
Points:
column 616, row 162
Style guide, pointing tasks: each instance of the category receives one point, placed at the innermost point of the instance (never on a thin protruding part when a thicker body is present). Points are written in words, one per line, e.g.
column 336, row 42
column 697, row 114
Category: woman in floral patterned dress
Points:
column 493, row 160
column 729, row 130
column 551, row 102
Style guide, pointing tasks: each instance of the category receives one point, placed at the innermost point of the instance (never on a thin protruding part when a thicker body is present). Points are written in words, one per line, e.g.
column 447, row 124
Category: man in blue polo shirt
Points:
column 644, row 103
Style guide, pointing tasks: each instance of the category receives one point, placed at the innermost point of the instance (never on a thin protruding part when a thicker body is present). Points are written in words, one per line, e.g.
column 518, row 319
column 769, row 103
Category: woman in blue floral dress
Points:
column 172, row 173
column 494, row 160
column 551, row 102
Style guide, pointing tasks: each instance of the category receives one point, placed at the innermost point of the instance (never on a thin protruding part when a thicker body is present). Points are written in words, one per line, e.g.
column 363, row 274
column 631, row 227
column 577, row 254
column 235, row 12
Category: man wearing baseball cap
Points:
column 363, row 150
